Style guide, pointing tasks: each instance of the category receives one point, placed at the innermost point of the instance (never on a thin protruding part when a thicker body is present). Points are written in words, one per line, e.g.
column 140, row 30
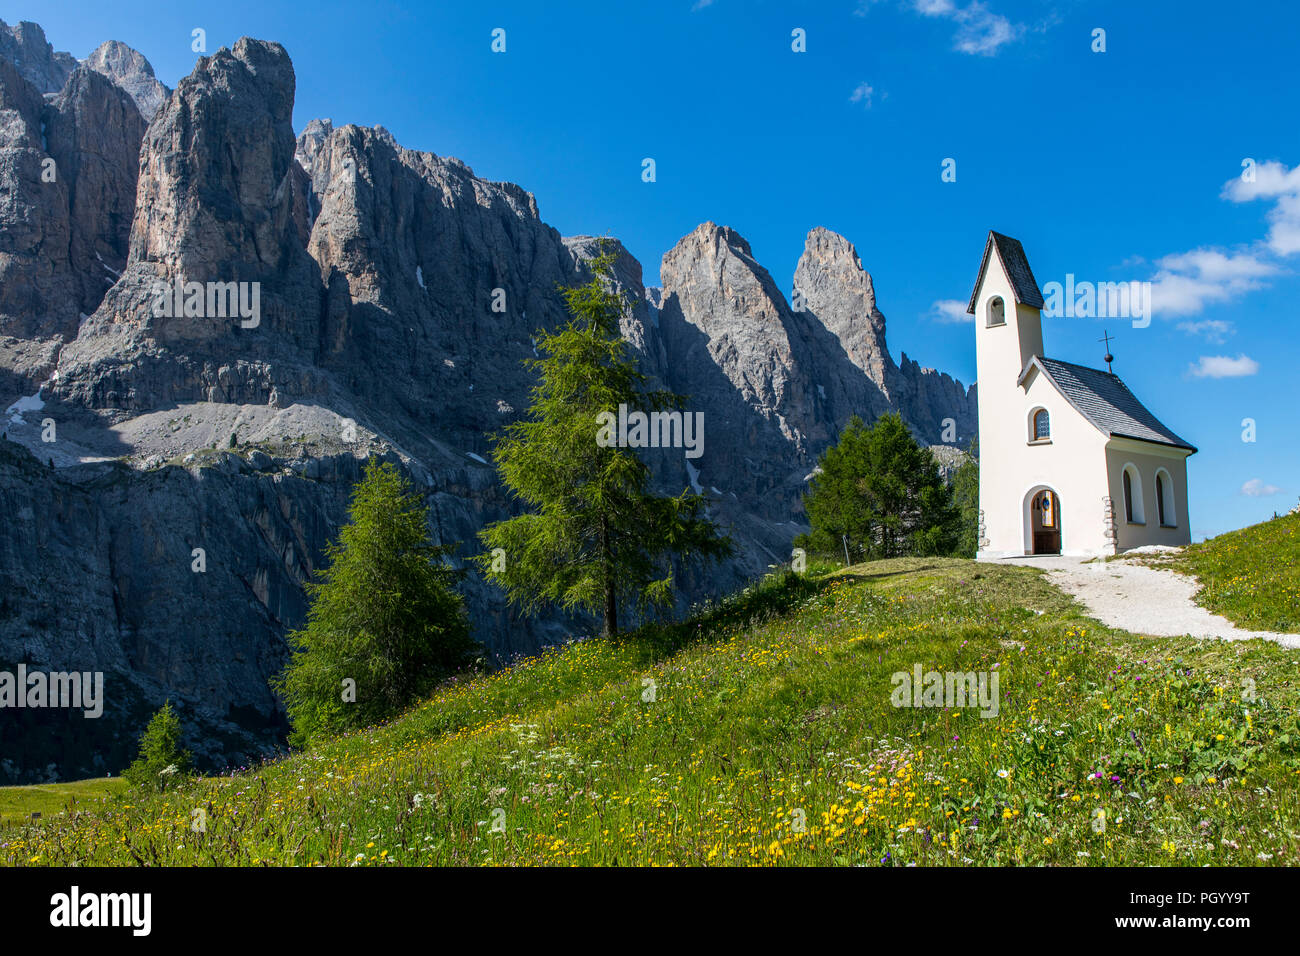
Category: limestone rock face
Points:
column 840, row 294
column 215, row 167
column 936, row 404
column 398, row 298
column 436, row 281
column 129, row 70
column 24, row 45
column 38, row 288
column 69, row 160
column 640, row 323
column 746, row 361
column 99, row 571
column 214, row 207
column 777, row 380
column 93, row 132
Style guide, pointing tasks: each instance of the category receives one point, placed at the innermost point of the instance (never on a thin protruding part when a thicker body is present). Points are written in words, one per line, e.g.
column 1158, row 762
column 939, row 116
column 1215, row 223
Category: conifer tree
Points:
column 385, row 624
column 966, row 499
column 594, row 538
column 161, row 762
column 882, row 492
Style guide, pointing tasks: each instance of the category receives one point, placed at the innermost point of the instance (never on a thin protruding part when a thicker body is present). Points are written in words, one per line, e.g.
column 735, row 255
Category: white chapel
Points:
column 1070, row 461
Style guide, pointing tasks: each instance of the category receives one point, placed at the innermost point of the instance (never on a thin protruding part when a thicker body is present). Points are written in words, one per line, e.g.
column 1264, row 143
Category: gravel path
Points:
column 1142, row 600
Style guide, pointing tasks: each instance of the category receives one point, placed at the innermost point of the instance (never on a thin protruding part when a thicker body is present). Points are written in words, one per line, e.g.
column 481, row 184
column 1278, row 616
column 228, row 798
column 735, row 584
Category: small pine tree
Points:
column 386, row 623
column 883, row 492
column 161, row 763
column 597, row 538
column 966, row 499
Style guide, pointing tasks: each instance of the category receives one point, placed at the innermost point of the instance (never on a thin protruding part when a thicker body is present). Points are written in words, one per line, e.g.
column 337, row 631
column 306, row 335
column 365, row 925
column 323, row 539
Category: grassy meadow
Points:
column 762, row 733
column 19, row 803
column 1250, row 576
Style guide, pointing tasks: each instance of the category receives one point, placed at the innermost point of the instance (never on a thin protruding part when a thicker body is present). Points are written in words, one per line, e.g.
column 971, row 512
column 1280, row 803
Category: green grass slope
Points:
column 1250, row 576
column 763, row 733
column 19, row 803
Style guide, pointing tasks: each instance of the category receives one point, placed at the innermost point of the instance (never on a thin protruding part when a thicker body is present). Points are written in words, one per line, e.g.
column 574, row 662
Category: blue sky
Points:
column 1123, row 165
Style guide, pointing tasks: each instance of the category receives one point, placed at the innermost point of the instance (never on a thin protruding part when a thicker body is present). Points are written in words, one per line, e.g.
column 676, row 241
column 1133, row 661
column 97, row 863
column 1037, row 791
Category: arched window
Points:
column 1133, row 513
column 997, row 311
column 1042, row 428
column 1165, row 509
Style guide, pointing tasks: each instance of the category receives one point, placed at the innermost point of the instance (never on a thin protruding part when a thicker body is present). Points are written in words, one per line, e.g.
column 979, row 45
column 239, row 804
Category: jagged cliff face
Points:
column 214, row 204
column 69, row 162
column 37, row 284
column 414, row 251
column 840, row 295
column 132, row 73
column 93, row 131
column 777, row 380
column 399, row 296
column 25, row 47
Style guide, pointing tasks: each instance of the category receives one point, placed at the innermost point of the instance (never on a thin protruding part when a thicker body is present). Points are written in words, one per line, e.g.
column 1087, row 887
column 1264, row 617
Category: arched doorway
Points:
column 1045, row 518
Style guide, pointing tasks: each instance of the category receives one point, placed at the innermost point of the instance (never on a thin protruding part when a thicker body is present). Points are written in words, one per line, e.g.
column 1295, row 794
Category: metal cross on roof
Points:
column 1109, row 358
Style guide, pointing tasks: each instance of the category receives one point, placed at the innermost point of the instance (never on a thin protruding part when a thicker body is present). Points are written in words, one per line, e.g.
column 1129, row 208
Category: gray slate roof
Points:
column 1106, row 402
column 1012, row 254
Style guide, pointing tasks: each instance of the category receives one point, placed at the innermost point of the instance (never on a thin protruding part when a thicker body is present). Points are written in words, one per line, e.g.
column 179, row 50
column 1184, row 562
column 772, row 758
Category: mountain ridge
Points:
column 379, row 272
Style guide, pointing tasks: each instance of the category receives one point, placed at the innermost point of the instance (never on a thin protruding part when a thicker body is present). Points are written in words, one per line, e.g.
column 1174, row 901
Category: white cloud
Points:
column 700, row 5
column 1215, row 266
column 1271, row 179
column 1186, row 282
column 1213, row 330
column 862, row 93
column 980, row 31
column 1274, row 181
column 1221, row 366
column 949, row 310
column 1284, row 233
column 1257, row 489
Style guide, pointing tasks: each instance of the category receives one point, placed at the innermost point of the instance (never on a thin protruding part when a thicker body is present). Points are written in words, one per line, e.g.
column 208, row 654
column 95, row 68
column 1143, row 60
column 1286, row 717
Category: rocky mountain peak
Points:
column 746, row 361
column 311, row 140
column 132, row 72
column 24, row 45
column 216, row 205
column 204, row 206
column 709, row 240
column 720, row 287
column 830, row 258
column 20, row 109
column 841, row 295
